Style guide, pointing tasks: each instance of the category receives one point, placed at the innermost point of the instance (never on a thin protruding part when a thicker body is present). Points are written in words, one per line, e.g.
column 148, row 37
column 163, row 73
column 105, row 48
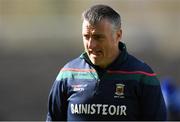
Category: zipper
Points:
column 98, row 79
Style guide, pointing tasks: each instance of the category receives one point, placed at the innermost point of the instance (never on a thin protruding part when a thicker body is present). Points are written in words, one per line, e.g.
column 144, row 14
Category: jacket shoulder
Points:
column 136, row 64
column 75, row 63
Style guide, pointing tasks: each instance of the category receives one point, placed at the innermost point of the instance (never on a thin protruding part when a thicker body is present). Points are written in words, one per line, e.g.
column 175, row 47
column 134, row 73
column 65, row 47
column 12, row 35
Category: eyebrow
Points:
column 98, row 35
column 94, row 34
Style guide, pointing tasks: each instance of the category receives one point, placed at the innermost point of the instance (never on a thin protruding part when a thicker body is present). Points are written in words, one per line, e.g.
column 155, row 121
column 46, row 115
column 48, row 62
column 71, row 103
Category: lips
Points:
column 95, row 52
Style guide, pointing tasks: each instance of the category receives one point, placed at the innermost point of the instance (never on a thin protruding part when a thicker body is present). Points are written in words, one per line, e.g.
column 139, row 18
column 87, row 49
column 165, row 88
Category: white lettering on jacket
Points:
column 103, row 109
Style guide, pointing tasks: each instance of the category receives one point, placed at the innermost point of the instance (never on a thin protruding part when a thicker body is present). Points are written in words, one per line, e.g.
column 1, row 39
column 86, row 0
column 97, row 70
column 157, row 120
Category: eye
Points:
column 98, row 37
column 86, row 37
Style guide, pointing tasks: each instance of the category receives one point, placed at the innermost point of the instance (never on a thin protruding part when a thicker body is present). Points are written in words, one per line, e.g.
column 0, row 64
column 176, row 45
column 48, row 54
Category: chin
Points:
column 95, row 61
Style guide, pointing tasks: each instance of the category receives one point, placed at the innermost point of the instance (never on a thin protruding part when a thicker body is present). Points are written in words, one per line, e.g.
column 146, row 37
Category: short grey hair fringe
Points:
column 98, row 12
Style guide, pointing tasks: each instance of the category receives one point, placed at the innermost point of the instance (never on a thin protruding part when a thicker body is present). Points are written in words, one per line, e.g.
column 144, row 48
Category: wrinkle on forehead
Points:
column 88, row 26
column 98, row 28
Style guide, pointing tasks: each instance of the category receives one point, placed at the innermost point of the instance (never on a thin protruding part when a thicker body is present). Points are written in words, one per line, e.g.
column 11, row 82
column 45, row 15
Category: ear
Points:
column 118, row 35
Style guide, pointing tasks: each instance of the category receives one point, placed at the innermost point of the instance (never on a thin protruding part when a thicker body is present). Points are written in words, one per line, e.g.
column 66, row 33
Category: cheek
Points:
column 85, row 45
column 110, row 47
column 106, row 50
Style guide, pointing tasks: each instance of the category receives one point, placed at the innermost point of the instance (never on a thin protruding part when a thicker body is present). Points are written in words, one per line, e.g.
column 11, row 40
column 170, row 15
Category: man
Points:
column 105, row 82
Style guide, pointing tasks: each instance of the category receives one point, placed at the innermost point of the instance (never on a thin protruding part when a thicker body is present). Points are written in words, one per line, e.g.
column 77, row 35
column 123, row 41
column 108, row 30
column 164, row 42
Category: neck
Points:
column 112, row 59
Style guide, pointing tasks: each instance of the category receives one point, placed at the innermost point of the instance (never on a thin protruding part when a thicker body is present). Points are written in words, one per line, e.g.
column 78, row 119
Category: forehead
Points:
column 103, row 25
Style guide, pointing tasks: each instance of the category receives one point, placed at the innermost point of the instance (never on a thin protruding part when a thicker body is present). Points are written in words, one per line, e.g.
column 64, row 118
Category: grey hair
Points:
column 97, row 13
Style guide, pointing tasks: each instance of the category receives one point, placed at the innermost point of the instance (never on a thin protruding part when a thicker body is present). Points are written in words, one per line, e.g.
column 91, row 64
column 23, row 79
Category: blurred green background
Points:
column 37, row 37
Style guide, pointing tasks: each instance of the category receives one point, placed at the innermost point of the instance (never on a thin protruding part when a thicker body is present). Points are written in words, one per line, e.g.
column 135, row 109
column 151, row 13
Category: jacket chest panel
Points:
column 103, row 90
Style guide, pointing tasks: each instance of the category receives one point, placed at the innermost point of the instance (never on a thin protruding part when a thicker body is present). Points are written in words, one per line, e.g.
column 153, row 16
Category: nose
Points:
column 92, row 43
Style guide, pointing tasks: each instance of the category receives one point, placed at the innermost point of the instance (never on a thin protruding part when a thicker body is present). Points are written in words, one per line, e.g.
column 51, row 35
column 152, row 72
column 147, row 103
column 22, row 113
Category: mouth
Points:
column 95, row 53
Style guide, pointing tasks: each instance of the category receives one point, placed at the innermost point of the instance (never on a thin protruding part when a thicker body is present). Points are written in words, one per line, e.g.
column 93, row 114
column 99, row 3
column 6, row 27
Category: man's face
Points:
column 100, row 42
